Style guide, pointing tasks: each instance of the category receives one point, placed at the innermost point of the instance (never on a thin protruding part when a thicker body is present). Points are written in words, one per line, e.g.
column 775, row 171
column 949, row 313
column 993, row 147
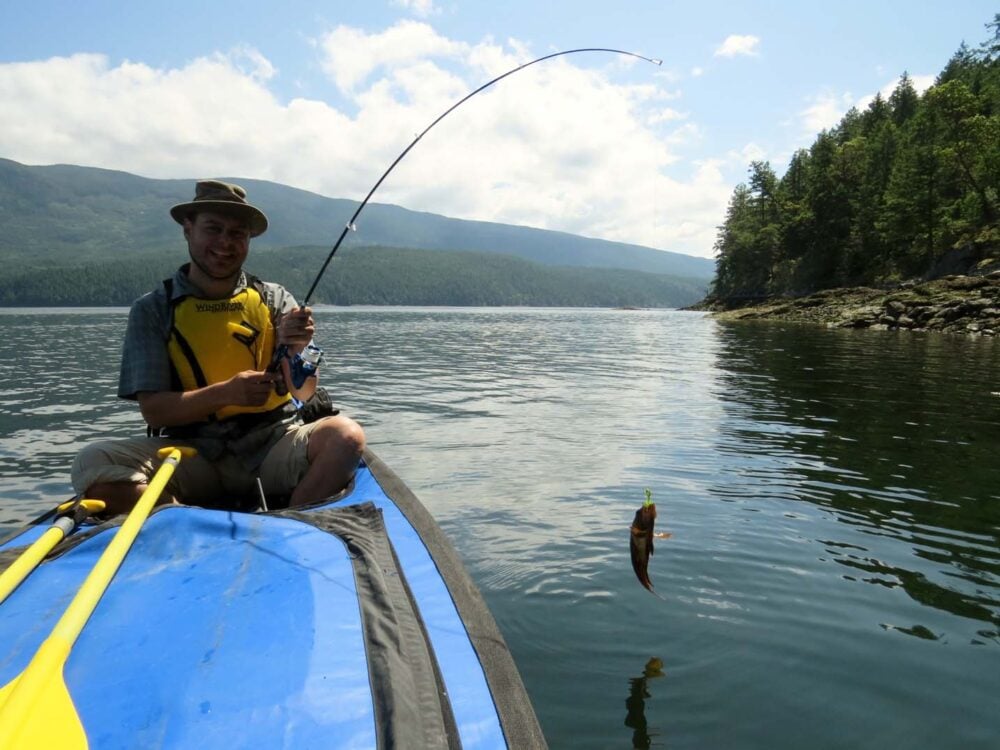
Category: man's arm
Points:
column 172, row 408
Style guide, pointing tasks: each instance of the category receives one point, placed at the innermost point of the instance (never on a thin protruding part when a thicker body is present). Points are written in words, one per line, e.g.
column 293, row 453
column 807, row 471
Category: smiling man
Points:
column 196, row 358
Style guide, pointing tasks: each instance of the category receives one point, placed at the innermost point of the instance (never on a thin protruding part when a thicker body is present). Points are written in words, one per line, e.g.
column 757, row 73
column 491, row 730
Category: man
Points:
column 196, row 356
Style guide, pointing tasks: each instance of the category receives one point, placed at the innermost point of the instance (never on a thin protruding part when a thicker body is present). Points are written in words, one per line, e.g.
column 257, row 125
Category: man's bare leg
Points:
column 335, row 447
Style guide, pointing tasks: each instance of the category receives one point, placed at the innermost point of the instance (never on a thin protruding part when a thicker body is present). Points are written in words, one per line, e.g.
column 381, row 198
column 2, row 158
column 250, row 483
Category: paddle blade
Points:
column 39, row 713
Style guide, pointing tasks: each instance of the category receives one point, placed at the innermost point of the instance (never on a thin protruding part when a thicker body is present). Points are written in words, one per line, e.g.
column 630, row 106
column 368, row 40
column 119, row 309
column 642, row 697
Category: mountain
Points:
column 54, row 215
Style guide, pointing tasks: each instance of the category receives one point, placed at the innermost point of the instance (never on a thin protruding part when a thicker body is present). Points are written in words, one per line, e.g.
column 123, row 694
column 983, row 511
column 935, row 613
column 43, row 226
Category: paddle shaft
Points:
column 21, row 568
column 86, row 599
column 11, row 578
column 48, row 661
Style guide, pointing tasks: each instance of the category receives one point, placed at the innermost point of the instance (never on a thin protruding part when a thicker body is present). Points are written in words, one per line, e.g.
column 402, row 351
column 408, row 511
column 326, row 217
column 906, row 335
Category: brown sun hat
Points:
column 222, row 198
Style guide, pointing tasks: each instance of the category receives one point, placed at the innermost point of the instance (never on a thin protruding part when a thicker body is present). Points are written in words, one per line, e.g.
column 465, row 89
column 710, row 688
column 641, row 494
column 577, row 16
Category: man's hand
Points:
column 296, row 329
column 250, row 387
column 171, row 408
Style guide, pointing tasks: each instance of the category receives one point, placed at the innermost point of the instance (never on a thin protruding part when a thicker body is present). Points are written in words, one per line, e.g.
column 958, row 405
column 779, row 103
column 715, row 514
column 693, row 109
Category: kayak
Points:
column 347, row 624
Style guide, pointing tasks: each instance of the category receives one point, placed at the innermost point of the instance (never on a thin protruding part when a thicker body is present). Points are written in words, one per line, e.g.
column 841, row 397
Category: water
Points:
column 833, row 579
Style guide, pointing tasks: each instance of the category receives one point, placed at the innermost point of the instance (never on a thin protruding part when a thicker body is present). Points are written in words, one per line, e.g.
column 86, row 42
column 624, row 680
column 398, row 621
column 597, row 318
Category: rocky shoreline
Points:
column 968, row 305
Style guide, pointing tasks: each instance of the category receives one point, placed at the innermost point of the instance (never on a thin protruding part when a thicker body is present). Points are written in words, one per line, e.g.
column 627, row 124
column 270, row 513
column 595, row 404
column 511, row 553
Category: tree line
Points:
column 365, row 276
column 897, row 191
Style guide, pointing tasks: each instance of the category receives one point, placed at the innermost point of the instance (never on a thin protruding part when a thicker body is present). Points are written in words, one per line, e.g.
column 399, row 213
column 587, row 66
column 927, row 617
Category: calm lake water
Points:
column 833, row 580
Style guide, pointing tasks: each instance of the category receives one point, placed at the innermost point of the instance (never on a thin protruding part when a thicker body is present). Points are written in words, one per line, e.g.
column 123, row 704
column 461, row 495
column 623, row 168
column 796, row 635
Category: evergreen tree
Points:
column 958, row 66
column 830, row 206
column 737, row 275
column 990, row 49
column 904, row 100
column 797, row 222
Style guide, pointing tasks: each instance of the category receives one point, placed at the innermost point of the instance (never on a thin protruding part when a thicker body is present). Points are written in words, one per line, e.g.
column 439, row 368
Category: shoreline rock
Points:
column 968, row 305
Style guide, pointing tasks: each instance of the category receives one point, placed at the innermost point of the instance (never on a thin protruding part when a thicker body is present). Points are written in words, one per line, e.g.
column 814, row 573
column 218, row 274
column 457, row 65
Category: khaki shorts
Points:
column 225, row 482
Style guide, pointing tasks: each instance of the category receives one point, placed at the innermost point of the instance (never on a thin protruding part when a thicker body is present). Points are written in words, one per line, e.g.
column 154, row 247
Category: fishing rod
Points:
column 351, row 226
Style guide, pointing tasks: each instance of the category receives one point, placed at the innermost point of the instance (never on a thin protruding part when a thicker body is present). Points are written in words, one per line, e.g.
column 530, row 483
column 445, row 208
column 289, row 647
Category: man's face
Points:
column 218, row 244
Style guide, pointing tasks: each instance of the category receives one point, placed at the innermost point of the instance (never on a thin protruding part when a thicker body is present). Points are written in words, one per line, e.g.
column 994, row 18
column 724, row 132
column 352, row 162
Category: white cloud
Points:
column 78, row 109
column 824, row 111
column 750, row 152
column 420, row 8
column 687, row 212
column 736, row 44
column 350, row 55
column 558, row 146
column 260, row 68
column 667, row 114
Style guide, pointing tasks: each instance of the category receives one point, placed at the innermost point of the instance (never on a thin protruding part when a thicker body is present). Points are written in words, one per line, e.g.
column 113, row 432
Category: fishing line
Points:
column 351, row 225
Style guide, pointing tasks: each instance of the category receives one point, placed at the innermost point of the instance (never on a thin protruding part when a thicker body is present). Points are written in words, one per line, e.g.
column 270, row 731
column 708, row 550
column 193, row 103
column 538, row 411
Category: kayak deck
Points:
column 348, row 624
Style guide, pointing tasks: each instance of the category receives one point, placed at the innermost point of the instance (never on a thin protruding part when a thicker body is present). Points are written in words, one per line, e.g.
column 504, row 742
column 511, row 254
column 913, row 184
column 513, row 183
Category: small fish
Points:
column 641, row 540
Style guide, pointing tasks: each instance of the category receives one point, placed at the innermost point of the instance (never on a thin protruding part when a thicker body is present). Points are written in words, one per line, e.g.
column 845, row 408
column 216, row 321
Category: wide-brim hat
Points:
column 223, row 198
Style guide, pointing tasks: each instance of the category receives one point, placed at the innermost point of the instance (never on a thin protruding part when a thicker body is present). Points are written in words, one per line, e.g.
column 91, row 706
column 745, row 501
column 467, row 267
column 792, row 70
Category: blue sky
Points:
column 323, row 96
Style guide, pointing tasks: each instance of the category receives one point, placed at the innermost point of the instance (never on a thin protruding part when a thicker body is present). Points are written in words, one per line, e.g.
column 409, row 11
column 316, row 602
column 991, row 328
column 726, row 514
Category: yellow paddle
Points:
column 64, row 524
column 36, row 710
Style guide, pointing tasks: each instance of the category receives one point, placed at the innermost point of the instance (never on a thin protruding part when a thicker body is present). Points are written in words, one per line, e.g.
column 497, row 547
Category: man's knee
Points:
column 338, row 435
column 100, row 462
column 93, row 454
column 89, row 462
column 353, row 437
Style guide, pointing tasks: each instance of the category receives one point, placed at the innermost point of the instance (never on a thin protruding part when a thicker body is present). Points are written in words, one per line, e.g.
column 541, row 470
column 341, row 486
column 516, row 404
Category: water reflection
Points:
column 894, row 435
column 635, row 705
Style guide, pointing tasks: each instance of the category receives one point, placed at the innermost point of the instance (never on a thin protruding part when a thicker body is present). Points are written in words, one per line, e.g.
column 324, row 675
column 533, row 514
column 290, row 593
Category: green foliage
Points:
column 397, row 276
column 890, row 193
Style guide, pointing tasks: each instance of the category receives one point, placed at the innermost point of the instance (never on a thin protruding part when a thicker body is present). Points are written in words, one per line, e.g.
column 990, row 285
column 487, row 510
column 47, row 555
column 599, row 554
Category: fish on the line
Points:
column 641, row 540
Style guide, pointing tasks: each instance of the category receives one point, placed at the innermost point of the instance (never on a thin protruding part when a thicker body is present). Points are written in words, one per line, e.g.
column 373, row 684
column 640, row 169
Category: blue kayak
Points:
column 348, row 624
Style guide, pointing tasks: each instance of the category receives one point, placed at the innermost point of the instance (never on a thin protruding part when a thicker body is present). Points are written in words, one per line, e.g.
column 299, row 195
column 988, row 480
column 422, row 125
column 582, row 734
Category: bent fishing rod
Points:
column 351, row 226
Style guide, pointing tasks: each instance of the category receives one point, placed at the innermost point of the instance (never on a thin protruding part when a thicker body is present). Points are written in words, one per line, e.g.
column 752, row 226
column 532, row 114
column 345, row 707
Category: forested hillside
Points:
column 364, row 276
column 60, row 215
column 908, row 188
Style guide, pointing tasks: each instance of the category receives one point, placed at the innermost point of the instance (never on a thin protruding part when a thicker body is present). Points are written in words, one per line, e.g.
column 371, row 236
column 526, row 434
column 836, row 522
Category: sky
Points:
column 323, row 96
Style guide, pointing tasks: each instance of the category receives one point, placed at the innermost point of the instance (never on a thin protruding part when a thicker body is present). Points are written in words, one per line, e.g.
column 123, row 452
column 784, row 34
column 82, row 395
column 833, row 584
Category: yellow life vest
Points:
column 213, row 339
